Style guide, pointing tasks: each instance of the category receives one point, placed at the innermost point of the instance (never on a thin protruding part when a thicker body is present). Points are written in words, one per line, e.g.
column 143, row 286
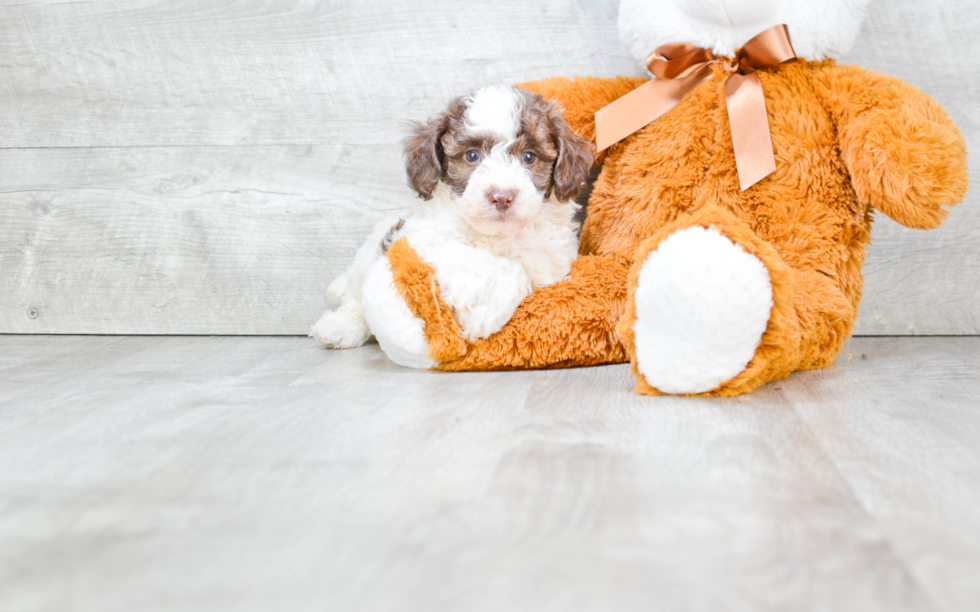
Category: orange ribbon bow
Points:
column 680, row 68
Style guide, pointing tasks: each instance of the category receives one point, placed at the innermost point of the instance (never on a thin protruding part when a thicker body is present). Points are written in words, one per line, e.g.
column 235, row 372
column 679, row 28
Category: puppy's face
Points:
column 502, row 153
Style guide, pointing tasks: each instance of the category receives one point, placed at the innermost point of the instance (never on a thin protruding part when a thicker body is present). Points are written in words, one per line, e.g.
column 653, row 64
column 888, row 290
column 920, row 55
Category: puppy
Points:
column 498, row 173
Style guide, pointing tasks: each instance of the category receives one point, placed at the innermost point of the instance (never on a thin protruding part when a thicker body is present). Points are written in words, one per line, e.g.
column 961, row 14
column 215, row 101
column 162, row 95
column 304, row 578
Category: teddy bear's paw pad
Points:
column 342, row 328
column 702, row 305
column 400, row 333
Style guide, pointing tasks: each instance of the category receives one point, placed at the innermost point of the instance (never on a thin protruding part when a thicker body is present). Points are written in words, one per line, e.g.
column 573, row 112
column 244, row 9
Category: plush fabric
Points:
column 577, row 316
column 821, row 29
column 846, row 141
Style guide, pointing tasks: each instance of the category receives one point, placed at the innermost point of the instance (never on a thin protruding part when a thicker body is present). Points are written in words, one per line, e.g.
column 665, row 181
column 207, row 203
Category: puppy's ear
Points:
column 575, row 158
column 424, row 158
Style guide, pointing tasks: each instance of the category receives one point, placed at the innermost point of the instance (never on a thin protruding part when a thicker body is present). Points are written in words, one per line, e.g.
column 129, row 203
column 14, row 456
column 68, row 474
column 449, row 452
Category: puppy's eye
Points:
column 472, row 155
column 528, row 158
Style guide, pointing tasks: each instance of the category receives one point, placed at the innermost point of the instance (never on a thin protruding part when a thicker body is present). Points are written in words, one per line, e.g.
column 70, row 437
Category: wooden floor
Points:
column 220, row 473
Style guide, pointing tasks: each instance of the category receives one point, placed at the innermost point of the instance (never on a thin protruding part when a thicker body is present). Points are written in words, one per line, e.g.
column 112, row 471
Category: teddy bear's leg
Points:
column 570, row 323
column 702, row 304
column 713, row 309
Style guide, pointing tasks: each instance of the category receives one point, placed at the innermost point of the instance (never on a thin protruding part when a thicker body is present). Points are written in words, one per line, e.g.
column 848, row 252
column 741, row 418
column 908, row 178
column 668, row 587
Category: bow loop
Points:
column 680, row 68
column 676, row 60
column 767, row 49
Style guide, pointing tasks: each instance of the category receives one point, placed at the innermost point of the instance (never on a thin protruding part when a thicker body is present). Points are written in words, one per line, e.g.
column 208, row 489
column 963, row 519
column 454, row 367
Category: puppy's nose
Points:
column 502, row 199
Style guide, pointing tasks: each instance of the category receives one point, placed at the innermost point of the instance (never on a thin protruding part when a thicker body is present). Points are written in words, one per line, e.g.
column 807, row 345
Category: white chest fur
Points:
column 545, row 247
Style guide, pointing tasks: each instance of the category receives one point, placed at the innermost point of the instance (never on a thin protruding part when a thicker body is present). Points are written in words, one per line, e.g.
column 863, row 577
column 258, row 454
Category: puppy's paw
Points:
column 341, row 329
column 484, row 320
column 483, row 290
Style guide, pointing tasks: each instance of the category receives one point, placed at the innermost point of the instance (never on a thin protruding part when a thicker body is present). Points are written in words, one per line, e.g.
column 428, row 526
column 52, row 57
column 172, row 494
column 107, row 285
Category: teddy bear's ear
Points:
column 575, row 158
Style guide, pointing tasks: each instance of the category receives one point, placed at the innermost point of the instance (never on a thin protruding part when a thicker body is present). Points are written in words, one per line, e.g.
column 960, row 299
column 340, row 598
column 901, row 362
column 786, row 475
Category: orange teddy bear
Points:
column 704, row 287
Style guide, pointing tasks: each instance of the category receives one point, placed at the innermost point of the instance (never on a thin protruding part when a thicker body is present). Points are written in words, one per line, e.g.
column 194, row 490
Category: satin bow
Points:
column 682, row 67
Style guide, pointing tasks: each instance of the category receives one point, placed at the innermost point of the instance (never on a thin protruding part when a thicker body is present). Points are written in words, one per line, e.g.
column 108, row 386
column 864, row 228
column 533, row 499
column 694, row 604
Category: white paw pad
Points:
column 400, row 333
column 702, row 305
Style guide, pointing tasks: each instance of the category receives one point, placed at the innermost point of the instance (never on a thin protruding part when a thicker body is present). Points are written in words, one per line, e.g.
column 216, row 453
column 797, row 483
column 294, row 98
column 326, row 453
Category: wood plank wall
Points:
column 207, row 167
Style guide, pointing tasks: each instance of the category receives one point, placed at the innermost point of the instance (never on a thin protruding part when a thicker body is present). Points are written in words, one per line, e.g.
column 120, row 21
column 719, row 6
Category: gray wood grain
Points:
column 187, row 239
column 194, row 473
column 207, row 167
column 924, row 430
column 124, row 73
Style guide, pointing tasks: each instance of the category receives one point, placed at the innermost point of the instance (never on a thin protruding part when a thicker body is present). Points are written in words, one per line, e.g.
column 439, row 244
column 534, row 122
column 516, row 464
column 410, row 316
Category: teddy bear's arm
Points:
column 581, row 97
column 905, row 155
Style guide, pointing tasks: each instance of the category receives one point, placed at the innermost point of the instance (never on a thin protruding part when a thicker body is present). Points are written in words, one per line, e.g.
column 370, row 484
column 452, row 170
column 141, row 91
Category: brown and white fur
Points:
column 498, row 173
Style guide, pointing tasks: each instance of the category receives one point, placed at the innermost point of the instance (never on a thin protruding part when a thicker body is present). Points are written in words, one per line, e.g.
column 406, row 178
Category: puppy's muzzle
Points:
column 501, row 199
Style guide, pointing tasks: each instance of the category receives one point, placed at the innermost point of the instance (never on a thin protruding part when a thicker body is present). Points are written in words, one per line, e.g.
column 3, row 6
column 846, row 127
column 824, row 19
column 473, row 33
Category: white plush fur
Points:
column 486, row 261
column 702, row 305
column 819, row 28
column 400, row 334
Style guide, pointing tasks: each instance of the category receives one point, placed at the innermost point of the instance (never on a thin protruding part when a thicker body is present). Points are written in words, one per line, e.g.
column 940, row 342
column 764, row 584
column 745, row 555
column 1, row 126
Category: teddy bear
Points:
column 705, row 284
